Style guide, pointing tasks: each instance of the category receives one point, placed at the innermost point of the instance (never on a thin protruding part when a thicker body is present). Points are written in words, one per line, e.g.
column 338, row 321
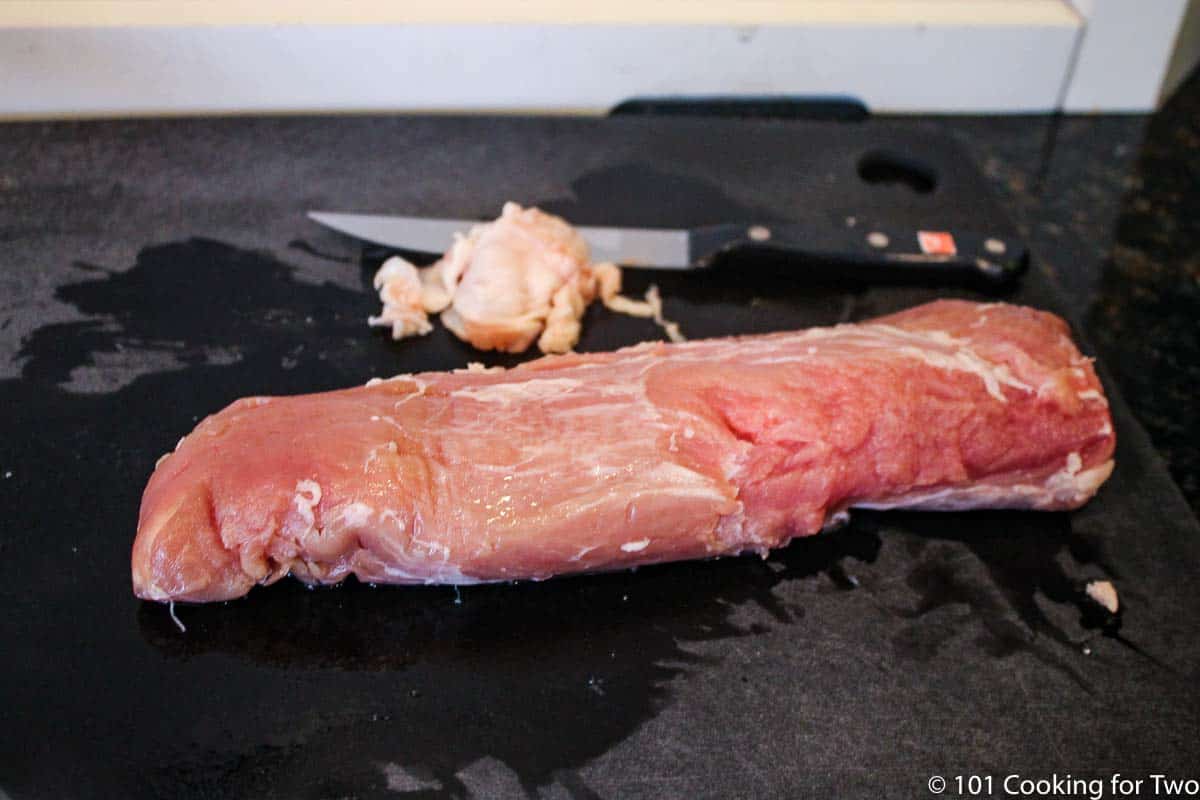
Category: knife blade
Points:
column 992, row 257
column 659, row 248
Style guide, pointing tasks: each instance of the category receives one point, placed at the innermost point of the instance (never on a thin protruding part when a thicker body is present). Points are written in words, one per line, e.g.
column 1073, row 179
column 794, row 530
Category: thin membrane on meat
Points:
column 604, row 461
column 524, row 277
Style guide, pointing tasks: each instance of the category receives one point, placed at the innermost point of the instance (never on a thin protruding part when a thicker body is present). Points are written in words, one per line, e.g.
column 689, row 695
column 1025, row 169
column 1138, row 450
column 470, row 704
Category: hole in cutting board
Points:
column 887, row 168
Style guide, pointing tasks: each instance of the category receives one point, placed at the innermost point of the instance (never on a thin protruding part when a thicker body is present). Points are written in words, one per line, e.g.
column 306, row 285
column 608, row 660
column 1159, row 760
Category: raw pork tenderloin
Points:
column 604, row 461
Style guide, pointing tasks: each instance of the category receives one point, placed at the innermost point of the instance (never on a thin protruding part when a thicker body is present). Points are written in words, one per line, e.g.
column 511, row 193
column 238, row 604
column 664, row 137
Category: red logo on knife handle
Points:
column 936, row 243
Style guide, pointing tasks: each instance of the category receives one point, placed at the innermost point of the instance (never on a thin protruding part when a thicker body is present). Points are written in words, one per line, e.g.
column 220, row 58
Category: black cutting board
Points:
column 161, row 269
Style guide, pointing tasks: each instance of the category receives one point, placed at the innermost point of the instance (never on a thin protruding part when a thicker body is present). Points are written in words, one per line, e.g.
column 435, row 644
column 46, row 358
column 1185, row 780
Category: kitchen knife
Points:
column 992, row 257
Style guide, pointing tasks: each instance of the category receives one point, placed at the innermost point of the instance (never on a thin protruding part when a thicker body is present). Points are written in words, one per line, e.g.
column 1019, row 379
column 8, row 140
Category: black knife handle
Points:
column 891, row 251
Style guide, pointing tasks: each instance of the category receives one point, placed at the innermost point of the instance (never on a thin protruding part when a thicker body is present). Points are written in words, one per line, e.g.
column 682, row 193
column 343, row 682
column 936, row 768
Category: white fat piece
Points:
column 966, row 360
column 648, row 308
column 506, row 393
column 524, row 277
column 400, row 291
column 1104, row 593
column 306, row 498
column 351, row 516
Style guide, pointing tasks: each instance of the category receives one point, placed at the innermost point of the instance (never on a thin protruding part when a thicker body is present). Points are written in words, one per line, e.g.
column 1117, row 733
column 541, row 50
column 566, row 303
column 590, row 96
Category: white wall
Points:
column 1124, row 54
column 122, row 70
column 119, row 57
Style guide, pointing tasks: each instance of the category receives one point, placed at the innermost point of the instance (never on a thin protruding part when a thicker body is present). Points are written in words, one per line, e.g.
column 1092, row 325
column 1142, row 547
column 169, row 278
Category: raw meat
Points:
column 526, row 276
column 610, row 460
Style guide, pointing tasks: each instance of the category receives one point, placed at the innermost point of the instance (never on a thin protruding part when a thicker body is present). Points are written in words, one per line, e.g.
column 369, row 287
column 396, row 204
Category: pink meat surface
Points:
column 603, row 461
